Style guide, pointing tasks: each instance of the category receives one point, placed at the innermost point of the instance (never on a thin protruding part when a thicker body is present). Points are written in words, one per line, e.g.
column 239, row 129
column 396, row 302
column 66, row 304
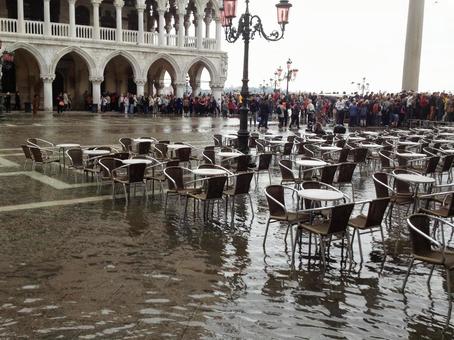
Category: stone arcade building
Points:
column 91, row 46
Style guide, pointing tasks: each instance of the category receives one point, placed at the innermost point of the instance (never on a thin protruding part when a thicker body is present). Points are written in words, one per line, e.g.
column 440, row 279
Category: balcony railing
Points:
column 8, row 25
column 130, row 36
column 190, row 42
column 209, row 43
column 108, row 34
column 34, row 27
column 151, row 38
column 61, row 30
column 84, row 32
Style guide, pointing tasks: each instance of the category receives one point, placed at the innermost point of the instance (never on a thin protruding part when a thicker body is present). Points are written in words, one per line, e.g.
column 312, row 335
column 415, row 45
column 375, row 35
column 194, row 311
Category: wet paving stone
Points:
column 101, row 269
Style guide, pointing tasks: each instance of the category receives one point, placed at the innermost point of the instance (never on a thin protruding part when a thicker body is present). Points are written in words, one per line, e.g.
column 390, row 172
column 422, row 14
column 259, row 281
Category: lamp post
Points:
column 264, row 86
column 248, row 27
column 6, row 61
column 290, row 75
column 363, row 86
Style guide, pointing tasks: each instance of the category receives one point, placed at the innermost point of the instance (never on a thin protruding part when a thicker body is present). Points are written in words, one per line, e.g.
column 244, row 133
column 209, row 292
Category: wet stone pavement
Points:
column 76, row 265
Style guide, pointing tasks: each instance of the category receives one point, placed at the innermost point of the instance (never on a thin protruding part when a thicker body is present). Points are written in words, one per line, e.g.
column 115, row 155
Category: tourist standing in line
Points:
column 17, row 103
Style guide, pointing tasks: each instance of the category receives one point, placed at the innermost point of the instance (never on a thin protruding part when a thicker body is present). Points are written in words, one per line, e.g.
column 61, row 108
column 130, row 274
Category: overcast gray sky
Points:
column 335, row 42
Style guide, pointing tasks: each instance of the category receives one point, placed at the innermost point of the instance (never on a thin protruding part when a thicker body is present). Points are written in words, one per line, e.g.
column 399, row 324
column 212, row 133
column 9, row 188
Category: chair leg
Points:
column 448, row 284
column 360, row 245
column 165, row 203
column 252, row 206
column 383, row 240
column 430, row 275
column 322, row 251
column 266, row 232
column 126, row 193
column 408, row 274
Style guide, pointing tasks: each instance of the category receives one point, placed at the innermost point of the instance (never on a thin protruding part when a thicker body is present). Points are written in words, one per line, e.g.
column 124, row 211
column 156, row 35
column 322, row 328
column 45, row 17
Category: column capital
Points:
column 161, row 11
column 216, row 86
column 96, row 80
column 140, row 82
column 119, row 3
column 141, row 7
column 96, row 2
column 180, row 83
column 72, row 2
column 48, row 78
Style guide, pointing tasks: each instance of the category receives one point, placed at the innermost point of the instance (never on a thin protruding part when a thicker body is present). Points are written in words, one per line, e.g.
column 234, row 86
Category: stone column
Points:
column 118, row 9
column 161, row 24
column 181, row 29
column 195, row 88
column 72, row 18
column 96, row 91
column 218, row 34
column 48, row 96
column 180, row 89
column 413, row 45
column 199, row 31
column 47, row 29
column 140, row 9
column 20, row 16
column 96, row 4
column 207, row 20
column 140, row 86
column 216, row 91
column 160, row 88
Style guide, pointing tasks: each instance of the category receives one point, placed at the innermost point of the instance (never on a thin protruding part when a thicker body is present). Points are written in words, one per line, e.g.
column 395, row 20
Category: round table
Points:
column 320, row 195
column 209, row 172
column 448, row 151
column 176, row 146
column 443, row 141
column 310, row 163
column 408, row 143
column 96, row 152
column 137, row 161
column 390, row 137
column 372, row 146
column 356, row 139
column 309, row 134
column 329, row 148
column 227, row 154
column 423, row 130
column 230, row 136
column 370, row 133
column 446, row 134
column 63, row 147
column 411, row 155
column 140, row 140
column 316, row 140
column 416, row 180
column 278, row 142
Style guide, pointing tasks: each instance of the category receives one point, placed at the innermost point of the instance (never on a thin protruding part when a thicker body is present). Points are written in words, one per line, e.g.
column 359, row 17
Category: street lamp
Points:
column 264, row 86
column 363, row 86
column 248, row 27
column 6, row 61
column 290, row 75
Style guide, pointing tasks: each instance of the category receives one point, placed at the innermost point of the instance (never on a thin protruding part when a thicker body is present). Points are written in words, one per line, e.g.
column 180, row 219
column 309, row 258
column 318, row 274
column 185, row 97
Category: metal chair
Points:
column 241, row 187
column 428, row 250
column 134, row 175
column 364, row 224
column 27, row 154
column 43, row 157
column 345, row 176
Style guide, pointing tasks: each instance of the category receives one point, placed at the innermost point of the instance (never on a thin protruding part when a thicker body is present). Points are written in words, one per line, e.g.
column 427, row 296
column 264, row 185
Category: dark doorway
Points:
column 58, row 86
column 82, row 16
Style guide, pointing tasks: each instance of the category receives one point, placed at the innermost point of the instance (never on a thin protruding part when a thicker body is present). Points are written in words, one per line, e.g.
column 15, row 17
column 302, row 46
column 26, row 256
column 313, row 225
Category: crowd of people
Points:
column 370, row 109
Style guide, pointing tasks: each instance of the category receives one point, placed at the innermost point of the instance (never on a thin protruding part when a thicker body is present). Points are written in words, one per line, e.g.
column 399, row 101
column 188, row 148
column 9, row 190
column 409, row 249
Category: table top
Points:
column 209, row 172
column 309, row 134
column 423, row 130
column 411, row 155
column 228, row 154
column 320, row 195
column 356, row 139
column 370, row 133
column 277, row 142
column 176, row 146
column 96, row 152
column 310, row 162
column 139, row 140
column 446, row 134
column 137, row 161
column 316, row 140
column 68, row 145
column 330, row 148
column 447, row 150
column 231, row 136
column 443, row 141
column 412, row 178
column 408, row 143
column 390, row 137
column 372, row 146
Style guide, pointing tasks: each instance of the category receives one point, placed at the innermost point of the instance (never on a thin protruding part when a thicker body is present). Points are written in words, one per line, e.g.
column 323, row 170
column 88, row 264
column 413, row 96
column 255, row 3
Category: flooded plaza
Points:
column 74, row 264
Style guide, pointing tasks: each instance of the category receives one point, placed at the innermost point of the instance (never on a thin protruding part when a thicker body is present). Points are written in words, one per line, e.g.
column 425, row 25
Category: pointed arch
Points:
column 128, row 56
column 91, row 65
column 167, row 58
column 206, row 63
column 35, row 53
